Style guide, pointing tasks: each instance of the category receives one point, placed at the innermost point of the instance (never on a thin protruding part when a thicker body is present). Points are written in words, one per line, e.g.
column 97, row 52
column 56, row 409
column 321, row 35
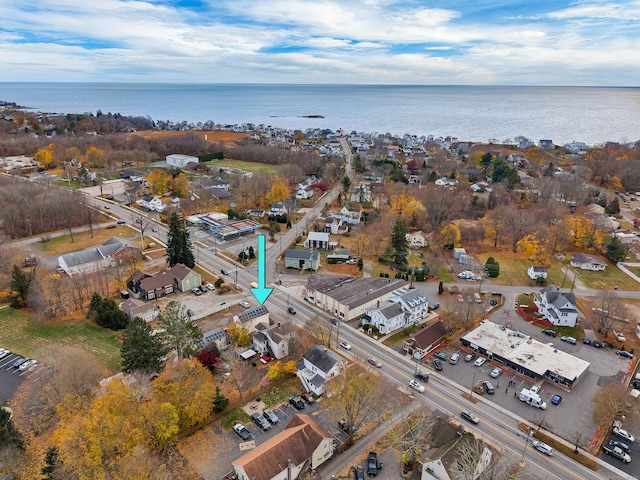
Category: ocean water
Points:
column 593, row 115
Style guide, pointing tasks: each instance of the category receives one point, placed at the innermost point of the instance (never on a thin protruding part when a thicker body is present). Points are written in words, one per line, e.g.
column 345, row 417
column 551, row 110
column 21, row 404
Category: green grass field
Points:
column 21, row 334
column 81, row 240
column 253, row 167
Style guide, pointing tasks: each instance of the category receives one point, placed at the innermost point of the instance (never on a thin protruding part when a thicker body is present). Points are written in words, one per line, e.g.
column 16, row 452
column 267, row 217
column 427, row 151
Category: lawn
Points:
column 253, row 167
column 23, row 335
column 611, row 277
column 513, row 268
column 82, row 240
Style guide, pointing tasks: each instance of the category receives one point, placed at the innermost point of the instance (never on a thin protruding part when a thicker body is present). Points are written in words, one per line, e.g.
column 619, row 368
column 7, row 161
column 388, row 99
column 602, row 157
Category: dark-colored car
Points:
column 121, row 222
column 636, row 384
column 598, row 344
column 586, row 341
column 270, row 416
column 261, row 422
column 190, row 313
column 556, row 399
column 488, row 387
column 435, row 306
column 422, row 376
column 358, row 473
column 551, row 333
column 296, row 402
column 307, row 397
column 441, row 356
column 437, row 364
column 292, row 310
column 625, row 354
column 344, row 426
column 376, row 363
column 622, row 446
column 372, row 464
column 493, row 303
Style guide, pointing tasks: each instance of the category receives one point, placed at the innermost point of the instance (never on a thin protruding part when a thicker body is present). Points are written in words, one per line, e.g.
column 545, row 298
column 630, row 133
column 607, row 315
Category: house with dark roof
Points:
column 318, row 365
column 273, row 340
column 302, row 259
column 350, row 297
column 137, row 308
column 153, row 287
column 185, row 278
column 303, row 445
column 557, row 307
column 110, row 253
column 210, row 182
column 251, row 318
column 584, row 261
column 425, row 340
column 404, row 309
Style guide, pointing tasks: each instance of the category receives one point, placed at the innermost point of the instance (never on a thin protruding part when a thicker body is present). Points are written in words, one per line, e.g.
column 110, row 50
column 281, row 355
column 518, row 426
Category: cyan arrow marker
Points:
column 262, row 292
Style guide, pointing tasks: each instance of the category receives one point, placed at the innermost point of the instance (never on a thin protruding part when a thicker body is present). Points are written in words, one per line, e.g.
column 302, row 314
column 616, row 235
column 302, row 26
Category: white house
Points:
column 536, row 272
column 304, row 192
column 152, row 203
column 350, row 214
column 559, row 308
column 446, row 182
column 137, row 308
column 273, row 340
column 417, row 239
column 361, row 194
column 585, row 261
column 404, row 309
column 180, row 160
column 302, row 445
column 278, row 209
column 318, row 365
column 319, row 240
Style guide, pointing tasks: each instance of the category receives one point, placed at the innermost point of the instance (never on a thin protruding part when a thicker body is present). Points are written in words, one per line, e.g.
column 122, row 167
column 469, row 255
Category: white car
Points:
column 624, row 434
column 244, row 304
column 496, row 372
column 416, row 386
column 345, row 345
column 3, row 352
column 542, row 447
column 27, row 365
column 479, row 362
column 210, row 286
column 534, row 388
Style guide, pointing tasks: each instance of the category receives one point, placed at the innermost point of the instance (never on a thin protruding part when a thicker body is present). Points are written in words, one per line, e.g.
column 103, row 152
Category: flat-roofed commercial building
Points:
column 525, row 355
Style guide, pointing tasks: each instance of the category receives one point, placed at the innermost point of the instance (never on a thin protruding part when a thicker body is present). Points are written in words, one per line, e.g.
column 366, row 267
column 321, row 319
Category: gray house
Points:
column 302, row 259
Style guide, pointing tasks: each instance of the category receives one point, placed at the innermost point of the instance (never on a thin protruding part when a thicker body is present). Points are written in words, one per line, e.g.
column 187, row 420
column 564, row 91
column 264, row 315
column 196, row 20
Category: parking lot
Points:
column 11, row 377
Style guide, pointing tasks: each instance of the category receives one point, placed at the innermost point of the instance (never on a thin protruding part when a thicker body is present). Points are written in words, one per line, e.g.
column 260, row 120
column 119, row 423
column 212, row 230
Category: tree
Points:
column 143, row 222
column 179, row 247
column 238, row 335
column 357, row 164
column 8, row 433
column 158, row 181
column 613, row 207
column 612, row 402
column 479, row 461
column 411, row 437
column 220, row 402
column 450, row 236
column 279, row 192
column 180, row 333
column 440, row 287
column 399, row 243
column 615, row 250
column 20, row 282
column 535, row 247
column 355, row 395
column 180, row 185
column 141, row 350
column 208, row 359
column 492, row 267
column 44, row 157
column 106, row 313
column 612, row 309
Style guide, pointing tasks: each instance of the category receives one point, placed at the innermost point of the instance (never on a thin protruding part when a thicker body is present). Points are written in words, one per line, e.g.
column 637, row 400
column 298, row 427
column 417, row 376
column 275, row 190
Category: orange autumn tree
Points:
column 279, row 192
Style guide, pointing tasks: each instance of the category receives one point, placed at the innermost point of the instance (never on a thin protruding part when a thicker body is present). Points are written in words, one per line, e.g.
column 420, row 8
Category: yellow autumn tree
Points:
column 158, row 181
column 180, row 185
column 534, row 247
column 43, row 157
column 238, row 335
column 279, row 192
column 614, row 183
column 96, row 158
column 450, row 235
column 581, row 227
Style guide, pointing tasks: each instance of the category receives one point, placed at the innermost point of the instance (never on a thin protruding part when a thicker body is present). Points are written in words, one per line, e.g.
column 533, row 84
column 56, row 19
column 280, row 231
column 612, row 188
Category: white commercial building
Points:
column 180, row 160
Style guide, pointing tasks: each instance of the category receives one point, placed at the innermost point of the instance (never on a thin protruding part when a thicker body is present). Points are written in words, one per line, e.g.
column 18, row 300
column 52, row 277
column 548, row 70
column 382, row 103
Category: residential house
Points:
column 219, row 337
column 481, row 187
column 152, row 203
column 318, row 365
column 180, row 160
column 255, row 213
column 559, row 308
column 304, row 192
column 185, row 278
column 157, row 286
column 425, row 340
column 278, row 209
column 546, row 144
column 536, row 271
column 251, row 318
column 446, row 182
column 333, row 225
column 319, row 241
column 210, row 183
column 349, row 297
column 302, row 259
column 417, row 239
column 273, row 340
column 136, row 308
column 585, row 261
column 360, row 194
column 404, row 309
column 112, row 252
column 350, row 214
column 133, row 175
column 303, row 445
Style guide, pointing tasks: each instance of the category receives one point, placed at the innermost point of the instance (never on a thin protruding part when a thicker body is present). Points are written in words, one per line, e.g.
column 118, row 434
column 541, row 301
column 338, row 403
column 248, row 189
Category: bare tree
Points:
column 143, row 222
column 321, row 330
column 410, row 436
column 612, row 402
column 478, row 461
column 611, row 310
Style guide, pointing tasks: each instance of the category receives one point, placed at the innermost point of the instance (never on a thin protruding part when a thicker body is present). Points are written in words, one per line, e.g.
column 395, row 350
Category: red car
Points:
column 307, row 397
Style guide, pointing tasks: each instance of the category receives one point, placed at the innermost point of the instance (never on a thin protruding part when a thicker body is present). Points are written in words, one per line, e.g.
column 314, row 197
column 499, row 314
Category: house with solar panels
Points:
column 251, row 318
column 219, row 337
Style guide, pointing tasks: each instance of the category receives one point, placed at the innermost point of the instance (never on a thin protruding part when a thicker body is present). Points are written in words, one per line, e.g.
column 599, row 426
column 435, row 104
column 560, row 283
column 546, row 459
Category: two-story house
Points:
column 278, row 209
column 537, row 271
column 403, row 309
column 417, row 239
column 273, row 340
column 559, row 308
column 318, row 365
column 161, row 284
column 136, row 308
column 185, row 278
column 319, row 241
column 351, row 214
column 304, row 192
column 152, row 203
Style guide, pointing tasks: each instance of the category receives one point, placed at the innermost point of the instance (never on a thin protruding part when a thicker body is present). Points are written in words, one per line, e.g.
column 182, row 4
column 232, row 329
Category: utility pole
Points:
column 526, row 442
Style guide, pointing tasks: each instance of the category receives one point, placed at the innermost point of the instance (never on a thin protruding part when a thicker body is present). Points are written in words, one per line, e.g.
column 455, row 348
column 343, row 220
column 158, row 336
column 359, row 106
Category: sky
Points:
column 417, row 42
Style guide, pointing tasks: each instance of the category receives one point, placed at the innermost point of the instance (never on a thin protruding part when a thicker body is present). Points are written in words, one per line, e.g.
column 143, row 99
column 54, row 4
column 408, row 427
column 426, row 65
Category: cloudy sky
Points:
column 541, row 42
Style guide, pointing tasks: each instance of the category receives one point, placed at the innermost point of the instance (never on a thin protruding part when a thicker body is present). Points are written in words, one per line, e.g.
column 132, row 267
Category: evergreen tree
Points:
column 399, row 243
column 252, row 252
column 51, row 463
column 179, row 248
column 20, row 282
column 8, row 433
column 180, row 333
column 613, row 207
column 220, row 402
column 615, row 250
column 440, row 288
column 492, row 267
column 433, row 176
column 94, row 306
column 105, row 312
column 141, row 350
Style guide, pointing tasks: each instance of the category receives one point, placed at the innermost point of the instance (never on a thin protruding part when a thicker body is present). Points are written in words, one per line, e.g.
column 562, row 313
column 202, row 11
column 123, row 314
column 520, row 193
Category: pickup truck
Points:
column 616, row 452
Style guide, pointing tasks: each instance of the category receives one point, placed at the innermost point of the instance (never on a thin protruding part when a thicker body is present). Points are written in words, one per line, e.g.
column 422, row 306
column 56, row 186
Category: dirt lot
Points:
column 209, row 135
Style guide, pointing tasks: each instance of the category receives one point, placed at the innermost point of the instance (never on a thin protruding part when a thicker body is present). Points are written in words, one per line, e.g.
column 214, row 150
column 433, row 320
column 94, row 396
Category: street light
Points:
column 526, row 442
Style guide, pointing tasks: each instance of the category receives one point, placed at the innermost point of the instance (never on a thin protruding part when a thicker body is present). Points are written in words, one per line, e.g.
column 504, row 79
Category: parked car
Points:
column 271, row 417
column 624, row 354
column 493, row 303
column 622, row 446
column 586, row 341
column 454, row 359
column 549, row 332
column 374, row 362
column 435, row 306
column 470, row 417
column 441, row 356
column 372, row 464
column 413, row 384
column 244, row 304
column 344, row 426
column 542, row 447
column 261, row 422
column 598, row 344
column 488, row 387
column 307, row 398
column 345, row 345
column 623, row 434
column 296, row 402
column 4, row 352
column 479, row 362
column 570, row 340
column 203, row 288
column 196, row 291
column 358, row 473
column 121, row 222
column 534, row 388
column 242, row 431
column 210, row 286
column 496, row 372
column 469, row 357
column 190, row 312
column 437, row 364
column 421, row 376
column 556, row 399
column 19, row 362
column 27, row 365
column 292, row 310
